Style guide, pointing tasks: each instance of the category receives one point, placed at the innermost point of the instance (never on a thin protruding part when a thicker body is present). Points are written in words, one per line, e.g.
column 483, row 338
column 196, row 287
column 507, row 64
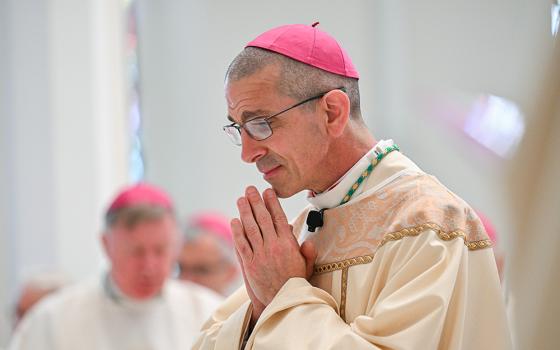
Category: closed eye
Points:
column 256, row 120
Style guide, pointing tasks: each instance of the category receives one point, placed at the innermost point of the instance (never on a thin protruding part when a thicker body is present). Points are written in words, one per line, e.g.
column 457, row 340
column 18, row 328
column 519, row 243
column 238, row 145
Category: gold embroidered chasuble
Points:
column 405, row 265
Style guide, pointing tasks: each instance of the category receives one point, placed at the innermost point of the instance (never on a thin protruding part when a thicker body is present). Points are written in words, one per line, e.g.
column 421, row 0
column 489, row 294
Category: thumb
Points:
column 309, row 252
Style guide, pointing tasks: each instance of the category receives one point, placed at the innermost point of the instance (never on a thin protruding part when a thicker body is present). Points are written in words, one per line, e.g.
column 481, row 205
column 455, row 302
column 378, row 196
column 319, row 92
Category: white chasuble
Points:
column 89, row 316
column 404, row 265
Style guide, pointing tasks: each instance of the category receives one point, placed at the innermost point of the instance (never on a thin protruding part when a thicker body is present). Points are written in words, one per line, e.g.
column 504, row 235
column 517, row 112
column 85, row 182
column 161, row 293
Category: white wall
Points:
column 26, row 143
column 64, row 141
column 4, row 201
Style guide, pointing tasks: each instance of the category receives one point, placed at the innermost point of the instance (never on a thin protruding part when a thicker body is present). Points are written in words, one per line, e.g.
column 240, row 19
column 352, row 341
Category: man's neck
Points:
column 342, row 156
column 115, row 292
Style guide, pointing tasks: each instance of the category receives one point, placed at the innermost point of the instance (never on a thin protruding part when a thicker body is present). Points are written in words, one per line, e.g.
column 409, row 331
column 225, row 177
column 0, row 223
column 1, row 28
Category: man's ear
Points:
column 336, row 105
column 106, row 244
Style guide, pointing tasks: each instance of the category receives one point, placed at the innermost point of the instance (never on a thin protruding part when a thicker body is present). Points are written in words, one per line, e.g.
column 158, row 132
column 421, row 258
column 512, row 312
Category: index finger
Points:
column 276, row 212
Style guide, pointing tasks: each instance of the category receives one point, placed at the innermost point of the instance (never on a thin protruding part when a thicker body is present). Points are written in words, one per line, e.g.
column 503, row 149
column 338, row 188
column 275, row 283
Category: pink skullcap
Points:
column 141, row 193
column 309, row 45
column 490, row 230
column 213, row 223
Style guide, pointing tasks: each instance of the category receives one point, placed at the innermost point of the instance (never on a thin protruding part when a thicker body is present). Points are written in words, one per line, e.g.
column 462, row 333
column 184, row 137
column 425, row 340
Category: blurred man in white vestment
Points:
column 134, row 306
column 385, row 257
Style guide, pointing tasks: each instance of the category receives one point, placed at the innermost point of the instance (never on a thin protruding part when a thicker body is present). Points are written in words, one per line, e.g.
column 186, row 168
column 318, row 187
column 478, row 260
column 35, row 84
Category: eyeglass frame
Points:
column 238, row 127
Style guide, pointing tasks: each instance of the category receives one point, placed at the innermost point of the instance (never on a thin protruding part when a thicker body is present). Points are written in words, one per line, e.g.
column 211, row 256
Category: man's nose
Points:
column 251, row 150
column 150, row 263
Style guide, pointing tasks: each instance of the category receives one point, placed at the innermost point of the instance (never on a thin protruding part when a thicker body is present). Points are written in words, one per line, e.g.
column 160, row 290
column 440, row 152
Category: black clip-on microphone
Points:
column 314, row 219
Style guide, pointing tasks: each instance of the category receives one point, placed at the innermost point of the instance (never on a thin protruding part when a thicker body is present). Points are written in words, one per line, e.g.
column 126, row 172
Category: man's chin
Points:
column 145, row 293
column 283, row 191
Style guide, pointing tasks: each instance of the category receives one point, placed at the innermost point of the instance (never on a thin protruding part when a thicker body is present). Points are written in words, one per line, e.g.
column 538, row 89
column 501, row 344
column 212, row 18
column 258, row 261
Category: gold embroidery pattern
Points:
column 344, row 264
column 395, row 236
column 446, row 236
column 343, row 286
column 402, row 207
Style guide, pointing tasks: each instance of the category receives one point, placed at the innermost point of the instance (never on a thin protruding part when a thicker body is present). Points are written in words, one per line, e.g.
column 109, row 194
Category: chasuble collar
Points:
column 116, row 294
column 333, row 196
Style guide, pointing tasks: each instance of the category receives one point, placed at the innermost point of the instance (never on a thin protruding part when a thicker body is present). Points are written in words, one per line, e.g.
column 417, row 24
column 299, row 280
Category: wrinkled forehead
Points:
column 255, row 95
column 266, row 79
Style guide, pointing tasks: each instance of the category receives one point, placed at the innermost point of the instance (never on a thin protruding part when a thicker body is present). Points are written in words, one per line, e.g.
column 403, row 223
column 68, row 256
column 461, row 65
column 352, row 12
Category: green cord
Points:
column 367, row 172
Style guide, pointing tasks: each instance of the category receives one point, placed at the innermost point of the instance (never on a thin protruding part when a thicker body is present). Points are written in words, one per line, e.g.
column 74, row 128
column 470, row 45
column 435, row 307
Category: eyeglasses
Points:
column 259, row 128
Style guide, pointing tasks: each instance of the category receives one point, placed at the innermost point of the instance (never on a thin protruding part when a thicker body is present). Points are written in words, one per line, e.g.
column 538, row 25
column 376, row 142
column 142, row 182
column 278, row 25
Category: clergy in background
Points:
column 134, row 305
column 207, row 255
column 387, row 258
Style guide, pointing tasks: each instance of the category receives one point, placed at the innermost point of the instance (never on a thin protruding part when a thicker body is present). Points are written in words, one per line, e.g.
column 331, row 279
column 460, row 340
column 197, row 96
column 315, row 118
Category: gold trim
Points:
column 395, row 236
column 343, row 286
column 339, row 265
column 446, row 236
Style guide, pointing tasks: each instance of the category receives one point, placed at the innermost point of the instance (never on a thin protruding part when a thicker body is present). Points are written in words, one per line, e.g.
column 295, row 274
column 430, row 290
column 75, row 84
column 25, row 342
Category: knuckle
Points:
column 281, row 220
column 262, row 217
column 241, row 245
column 252, row 231
column 243, row 250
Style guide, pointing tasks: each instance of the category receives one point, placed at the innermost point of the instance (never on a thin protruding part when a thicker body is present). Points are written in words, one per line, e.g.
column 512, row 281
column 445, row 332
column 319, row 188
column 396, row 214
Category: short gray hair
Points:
column 133, row 215
column 297, row 80
column 192, row 232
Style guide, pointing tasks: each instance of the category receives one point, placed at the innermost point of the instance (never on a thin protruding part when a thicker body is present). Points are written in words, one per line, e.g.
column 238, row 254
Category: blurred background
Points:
column 95, row 94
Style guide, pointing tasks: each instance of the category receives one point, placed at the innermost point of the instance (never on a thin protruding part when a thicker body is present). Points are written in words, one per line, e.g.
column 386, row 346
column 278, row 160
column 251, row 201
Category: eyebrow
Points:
column 246, row 115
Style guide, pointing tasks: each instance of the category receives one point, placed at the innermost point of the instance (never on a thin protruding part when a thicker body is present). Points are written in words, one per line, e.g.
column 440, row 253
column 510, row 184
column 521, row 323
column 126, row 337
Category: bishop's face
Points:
column 290, row 159
column 142, row 256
